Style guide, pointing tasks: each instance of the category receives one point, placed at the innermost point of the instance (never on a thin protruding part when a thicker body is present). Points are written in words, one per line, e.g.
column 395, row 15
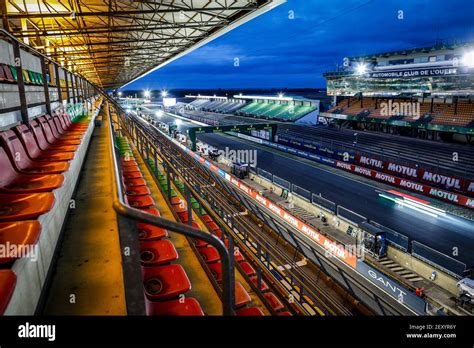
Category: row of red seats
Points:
column 211, row 257
column 31, row 162
column 164, row 283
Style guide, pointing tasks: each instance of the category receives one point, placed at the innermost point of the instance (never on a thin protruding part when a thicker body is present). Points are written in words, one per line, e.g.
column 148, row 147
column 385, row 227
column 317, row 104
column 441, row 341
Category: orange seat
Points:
column 241, row 295
column 7, row 286
column 137, row 190
column 263, row 285
column 274, row 301
column 209, row 254
column 132, row 182
column 139, row 201
column 187, row 306
column 249, row 312
column 165, row 282
column 19, row 233
column 156, row 253
column 22, row 206
column 216, row 271
column 150, row 232
column 247, row 268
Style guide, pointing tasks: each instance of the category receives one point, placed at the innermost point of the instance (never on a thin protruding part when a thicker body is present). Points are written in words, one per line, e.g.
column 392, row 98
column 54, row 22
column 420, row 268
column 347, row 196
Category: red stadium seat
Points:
column 150, row 232
column 156, row 253
column 183, row 216
column 139, row 201
column 209, row 254
column 7, row 286
column 285, row 314
column 22, row 162
column 263, row 285
column 274, row 301
column 53, row 138
column 249, row 312
column 165, row 282
column 66, row 132
column 137, row 190
column 70, row 125
column 176, row 200
column 132, row 182
column 22, row 206
column 3, row 77
column 129, row 169
column 18, row 233
column 247, row 268
column 128, row 163
column 33, row 150
column 187, row 306
column 132, row 175
column 217, row 233
column 238, row 257
column 8, row 74
column 213, row 226
column 47, row 142
column 12, row 181
column 206, row 218
column 180, row 208
column 241, row 295
column 56, row 132
column 152, row 211
column 216, row 271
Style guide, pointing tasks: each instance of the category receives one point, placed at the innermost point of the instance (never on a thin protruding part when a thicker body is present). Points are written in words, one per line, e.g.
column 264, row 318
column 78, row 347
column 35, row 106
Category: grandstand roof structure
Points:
column 438, row 47
column 114, row 42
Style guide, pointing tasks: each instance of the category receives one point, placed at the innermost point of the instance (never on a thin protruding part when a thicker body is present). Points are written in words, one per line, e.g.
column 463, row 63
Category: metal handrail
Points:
column 138, row 215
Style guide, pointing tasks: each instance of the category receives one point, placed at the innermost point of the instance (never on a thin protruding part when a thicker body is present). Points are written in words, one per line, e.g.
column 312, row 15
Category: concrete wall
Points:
column 423, row 269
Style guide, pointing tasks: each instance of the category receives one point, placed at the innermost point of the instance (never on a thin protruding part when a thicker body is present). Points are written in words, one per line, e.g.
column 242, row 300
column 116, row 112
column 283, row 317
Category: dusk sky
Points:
column 276, row 51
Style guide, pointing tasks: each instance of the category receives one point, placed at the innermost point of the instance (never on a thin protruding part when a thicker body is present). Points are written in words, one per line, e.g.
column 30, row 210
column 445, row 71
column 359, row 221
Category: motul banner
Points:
column 447, row 182
column 452, row 197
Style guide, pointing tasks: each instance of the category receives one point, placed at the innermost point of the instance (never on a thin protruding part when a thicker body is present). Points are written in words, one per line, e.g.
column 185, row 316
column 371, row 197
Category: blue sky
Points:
column 276, row 51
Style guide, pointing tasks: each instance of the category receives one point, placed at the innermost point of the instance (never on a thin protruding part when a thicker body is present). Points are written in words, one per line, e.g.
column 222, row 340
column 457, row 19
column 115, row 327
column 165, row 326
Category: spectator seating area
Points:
column 39, row 167
column 8, row 73
column 275, row 111
column 223, row 107
column 447, row 114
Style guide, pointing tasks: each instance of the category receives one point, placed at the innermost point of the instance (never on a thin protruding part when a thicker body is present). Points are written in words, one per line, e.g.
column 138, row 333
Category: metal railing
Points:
column 134, row 214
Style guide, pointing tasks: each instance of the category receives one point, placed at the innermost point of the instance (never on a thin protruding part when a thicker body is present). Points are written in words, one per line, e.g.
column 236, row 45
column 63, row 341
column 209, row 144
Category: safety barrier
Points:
column 323, row 202
column 282, row 182
column 349, row 215
column 435, row 258
column 303, row 193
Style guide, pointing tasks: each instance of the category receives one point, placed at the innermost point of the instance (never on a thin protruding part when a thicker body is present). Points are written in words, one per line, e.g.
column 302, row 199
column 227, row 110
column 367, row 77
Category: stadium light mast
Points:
column 361, row 68
column 164, row 93
column 468, row 59
column 146, row 93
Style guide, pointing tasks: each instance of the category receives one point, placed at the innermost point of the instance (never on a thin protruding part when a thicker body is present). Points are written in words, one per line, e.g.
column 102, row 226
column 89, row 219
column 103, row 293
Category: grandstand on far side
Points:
column 274, row 108
column 425, row 92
